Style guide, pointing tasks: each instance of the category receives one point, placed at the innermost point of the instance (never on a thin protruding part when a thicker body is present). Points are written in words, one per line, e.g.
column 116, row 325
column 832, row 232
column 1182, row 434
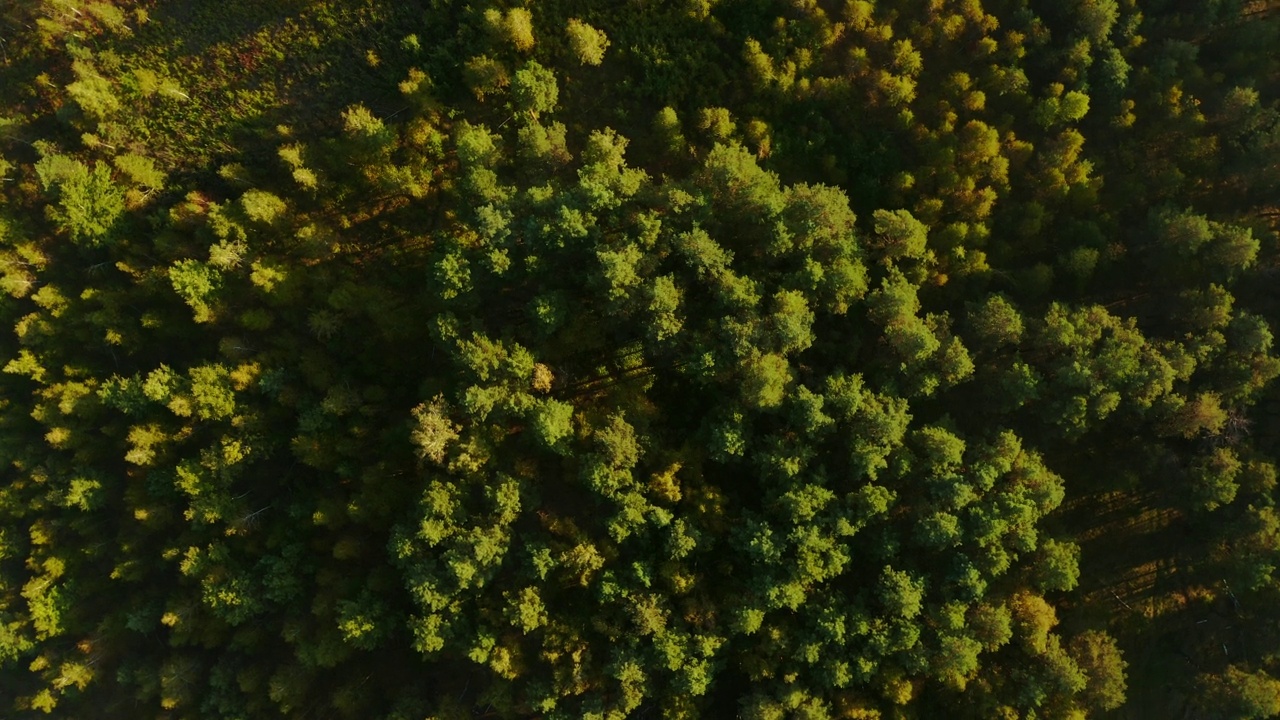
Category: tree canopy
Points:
column 693, row 359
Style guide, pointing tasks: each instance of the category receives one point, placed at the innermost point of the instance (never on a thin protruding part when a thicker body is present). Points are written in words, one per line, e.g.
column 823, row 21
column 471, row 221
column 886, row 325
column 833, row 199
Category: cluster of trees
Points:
column 709, row 358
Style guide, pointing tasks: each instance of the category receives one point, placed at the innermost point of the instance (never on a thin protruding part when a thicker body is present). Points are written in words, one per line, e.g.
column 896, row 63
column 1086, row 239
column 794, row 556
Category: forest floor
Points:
column 248, row 66
column 1139, row 579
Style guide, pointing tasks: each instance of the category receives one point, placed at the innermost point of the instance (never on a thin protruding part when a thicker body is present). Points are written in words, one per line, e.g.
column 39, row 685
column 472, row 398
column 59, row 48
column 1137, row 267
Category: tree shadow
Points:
column 1145, row 578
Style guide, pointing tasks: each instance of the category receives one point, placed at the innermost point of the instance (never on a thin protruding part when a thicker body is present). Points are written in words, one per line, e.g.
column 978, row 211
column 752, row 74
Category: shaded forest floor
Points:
column 1145, row 577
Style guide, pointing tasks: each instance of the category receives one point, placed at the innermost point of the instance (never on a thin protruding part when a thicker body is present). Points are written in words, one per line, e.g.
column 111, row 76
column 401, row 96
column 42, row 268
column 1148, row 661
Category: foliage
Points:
column 458, row 379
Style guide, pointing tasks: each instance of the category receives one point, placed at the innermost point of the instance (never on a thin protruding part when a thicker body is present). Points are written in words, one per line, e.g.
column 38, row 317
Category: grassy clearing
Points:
column 247, row 66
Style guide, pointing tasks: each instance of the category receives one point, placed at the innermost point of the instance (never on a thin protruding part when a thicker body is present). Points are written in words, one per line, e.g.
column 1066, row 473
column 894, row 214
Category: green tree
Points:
column 534, row 89
column 588, row 43
column 1097, row 655
column 88, row 202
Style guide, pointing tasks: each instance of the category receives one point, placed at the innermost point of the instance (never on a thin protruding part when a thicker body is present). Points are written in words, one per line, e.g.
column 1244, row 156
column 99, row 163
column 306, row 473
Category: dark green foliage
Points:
column 403, row 360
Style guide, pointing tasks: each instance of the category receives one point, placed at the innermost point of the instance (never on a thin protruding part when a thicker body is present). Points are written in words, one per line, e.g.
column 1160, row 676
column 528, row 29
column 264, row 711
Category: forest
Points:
column 607, row 359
